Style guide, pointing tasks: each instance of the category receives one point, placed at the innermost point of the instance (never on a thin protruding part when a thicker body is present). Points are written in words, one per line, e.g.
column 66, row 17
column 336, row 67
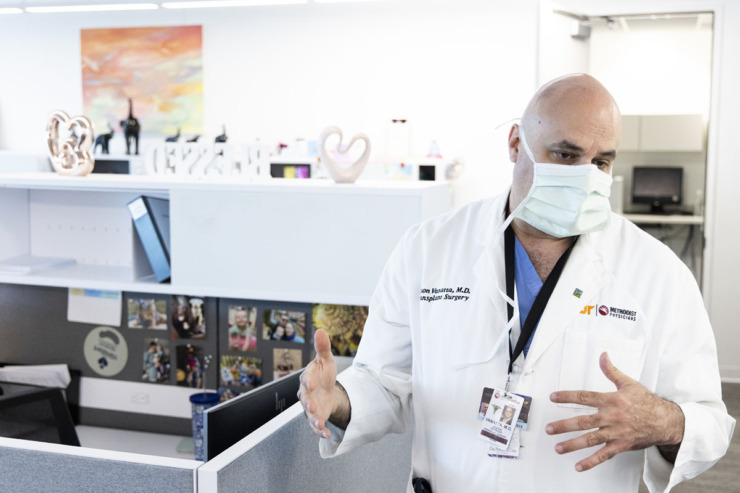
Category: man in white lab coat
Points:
column 543, row 300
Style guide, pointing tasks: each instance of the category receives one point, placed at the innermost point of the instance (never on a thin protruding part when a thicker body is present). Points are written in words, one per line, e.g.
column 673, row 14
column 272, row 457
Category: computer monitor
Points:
column 657, row 186
column 230, row 421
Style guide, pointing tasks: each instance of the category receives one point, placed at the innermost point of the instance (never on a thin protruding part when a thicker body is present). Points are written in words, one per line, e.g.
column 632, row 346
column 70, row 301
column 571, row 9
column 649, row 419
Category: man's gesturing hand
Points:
column 632, row 418
column 320, row 394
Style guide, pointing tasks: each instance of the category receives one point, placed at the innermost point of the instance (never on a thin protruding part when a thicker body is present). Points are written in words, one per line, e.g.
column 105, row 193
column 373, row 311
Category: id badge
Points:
column 500, row 418
column 512, row 452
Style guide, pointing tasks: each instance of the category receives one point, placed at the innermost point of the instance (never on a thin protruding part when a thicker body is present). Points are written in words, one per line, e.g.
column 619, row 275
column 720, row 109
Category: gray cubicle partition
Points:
column 31, row 467
column 283, row 455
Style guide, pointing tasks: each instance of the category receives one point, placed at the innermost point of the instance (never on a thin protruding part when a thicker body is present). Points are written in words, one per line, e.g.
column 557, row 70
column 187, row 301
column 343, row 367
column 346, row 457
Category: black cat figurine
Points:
column 131, row 129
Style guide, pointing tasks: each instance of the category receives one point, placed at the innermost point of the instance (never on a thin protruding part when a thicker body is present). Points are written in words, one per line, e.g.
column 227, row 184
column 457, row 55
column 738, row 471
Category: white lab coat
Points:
column 433, row 358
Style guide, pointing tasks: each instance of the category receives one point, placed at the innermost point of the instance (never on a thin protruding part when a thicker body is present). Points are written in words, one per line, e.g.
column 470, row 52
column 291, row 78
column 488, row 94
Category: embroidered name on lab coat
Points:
column 445, row 294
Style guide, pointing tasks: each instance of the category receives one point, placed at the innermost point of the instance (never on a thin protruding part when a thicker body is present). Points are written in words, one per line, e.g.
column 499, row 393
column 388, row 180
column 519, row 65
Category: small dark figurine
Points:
column 194, row 139
column 222, row 138
column 174, row 138
column 102, row 140
column 131, row 129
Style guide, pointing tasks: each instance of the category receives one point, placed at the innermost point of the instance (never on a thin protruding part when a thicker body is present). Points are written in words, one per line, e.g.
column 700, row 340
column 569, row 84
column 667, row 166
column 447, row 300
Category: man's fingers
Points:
column 578, row 423
column 582, row 397
column 587, row 440
column 322, row 345
column 612, row 372
column 309, row 409
column 602, row 455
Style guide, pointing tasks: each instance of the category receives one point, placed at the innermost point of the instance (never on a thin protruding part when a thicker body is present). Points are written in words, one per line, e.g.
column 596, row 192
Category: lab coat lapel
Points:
column 583, row 272
column 490, row 268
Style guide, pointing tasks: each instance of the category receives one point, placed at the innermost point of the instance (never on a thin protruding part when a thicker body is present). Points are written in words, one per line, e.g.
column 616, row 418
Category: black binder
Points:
column 152, row 221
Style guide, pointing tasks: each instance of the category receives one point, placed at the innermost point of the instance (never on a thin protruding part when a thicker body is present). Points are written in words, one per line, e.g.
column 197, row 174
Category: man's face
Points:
column 564, row 130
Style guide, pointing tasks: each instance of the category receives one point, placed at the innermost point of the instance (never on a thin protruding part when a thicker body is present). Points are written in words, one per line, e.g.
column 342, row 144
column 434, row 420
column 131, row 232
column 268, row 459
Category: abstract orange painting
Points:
column 159, row 68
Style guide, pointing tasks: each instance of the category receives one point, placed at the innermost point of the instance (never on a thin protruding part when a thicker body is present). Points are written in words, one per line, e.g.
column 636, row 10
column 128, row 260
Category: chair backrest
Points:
column 36, row 413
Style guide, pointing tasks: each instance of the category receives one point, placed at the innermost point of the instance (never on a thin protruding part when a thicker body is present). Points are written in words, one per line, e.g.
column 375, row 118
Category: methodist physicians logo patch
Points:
column 609, row 311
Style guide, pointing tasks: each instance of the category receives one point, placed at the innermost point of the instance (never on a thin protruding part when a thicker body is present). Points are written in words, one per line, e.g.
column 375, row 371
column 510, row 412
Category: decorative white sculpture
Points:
column 339, row 173
column 70, row 156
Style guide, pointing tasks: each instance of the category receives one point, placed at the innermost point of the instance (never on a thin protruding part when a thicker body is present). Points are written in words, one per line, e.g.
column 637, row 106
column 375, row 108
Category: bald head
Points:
column 568, row 98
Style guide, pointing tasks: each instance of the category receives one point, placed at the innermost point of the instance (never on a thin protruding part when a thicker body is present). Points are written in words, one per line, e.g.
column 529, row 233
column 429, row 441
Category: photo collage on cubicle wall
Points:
column 243, row 343
column 261, row 341
column 173, row 336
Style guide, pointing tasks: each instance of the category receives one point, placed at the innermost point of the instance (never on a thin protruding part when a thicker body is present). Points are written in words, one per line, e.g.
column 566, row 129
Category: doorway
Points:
column 659, row 68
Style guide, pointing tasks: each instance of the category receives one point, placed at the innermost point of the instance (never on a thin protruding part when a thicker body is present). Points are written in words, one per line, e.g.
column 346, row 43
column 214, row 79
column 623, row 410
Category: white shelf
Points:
column 665, row 219
column 291, row 240
column 165, row 183
column 89, row 276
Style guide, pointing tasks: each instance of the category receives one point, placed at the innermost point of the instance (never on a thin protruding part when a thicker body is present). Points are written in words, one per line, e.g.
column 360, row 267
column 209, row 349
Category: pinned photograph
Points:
column 242, row 328
column 344, row 325
column 283, row 325
column 241, row 371
column 156, row 361
column 147, row 314
column 188, row 318
column 286, row 361
column 190, row 366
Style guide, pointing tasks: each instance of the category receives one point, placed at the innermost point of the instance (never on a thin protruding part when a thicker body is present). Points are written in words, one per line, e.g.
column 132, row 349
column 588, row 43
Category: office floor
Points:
column 724, row 477
column 136, row 442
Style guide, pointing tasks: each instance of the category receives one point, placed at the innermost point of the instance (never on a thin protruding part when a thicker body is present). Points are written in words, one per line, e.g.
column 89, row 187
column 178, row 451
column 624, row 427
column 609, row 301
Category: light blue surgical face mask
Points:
column 565, row 200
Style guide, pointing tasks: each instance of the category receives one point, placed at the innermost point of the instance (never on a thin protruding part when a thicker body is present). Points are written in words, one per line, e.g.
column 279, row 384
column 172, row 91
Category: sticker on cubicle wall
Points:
column 106, row 351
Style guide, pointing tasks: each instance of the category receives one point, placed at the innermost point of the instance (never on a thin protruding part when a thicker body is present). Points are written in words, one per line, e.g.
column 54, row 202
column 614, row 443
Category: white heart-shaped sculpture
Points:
column 71, row 155
column 339, row 173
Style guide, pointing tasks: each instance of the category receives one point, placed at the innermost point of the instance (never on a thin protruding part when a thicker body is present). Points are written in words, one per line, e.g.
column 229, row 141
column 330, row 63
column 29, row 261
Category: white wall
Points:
column 454, row 69
column 559, row 53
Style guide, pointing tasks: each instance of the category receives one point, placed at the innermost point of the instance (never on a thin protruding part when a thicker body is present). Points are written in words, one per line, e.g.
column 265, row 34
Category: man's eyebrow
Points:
column 566, row 145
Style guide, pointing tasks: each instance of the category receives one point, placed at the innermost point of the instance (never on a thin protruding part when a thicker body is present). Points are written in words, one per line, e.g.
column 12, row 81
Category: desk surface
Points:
column 136, row 442
column 665, row 219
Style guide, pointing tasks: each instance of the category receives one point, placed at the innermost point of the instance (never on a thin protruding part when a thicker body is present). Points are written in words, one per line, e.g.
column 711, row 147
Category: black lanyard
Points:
column 540, row 302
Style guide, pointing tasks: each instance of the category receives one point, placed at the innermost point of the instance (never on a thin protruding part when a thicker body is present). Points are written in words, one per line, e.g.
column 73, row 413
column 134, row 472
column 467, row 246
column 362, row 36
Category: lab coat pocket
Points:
column 580, row 365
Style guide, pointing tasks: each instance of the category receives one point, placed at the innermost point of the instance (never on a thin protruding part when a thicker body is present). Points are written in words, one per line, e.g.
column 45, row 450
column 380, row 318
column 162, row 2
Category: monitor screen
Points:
column 230, row 421
column 657, row 186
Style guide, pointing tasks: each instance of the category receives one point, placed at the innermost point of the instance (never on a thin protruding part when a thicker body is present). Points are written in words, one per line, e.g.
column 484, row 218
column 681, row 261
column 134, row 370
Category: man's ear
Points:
column 514, row 143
